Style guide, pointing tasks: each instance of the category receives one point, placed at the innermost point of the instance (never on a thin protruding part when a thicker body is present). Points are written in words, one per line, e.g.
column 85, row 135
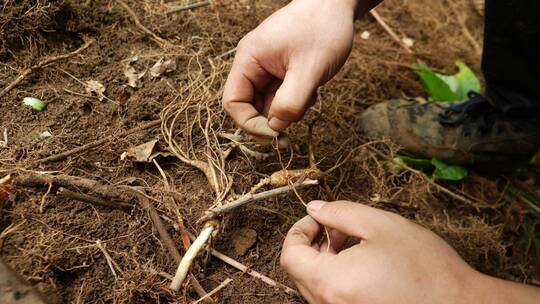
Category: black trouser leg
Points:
column 511, row 60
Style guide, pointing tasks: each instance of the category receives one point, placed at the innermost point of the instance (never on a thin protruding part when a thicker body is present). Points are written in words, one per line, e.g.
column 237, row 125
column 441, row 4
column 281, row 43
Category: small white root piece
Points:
column 110, row 261
column 190, row 255
column 214, row 291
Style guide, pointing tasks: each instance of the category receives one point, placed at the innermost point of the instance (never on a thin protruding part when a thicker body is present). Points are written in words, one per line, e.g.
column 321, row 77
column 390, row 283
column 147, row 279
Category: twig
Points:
column 250, row 198
column 108, row 258
column 188, row 7
column 183, row 232
column 43, row 63
column 140, row 25
column 169, row 243
column 98, row 142
column 92, row 199
column 35, row 179
column 44, row 199
column 190, row 255
column 232, row 262
column 389, row 30
column 215, row 290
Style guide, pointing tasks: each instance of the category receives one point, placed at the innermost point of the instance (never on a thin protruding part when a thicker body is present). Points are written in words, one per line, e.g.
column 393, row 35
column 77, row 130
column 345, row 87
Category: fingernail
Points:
column 278, row 124
column 315, row 206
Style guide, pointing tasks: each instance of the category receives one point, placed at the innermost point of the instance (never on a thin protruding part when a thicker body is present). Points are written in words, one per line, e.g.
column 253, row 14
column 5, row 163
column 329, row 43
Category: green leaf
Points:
column 416, row 163
column 437, row 88
column 36, row 104
column 448, row 172
column 448, row 87
column 466, row 81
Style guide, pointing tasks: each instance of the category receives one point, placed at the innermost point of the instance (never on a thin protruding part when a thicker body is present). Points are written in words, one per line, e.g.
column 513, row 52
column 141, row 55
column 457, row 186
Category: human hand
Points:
column 279, row 65
column 396, row 261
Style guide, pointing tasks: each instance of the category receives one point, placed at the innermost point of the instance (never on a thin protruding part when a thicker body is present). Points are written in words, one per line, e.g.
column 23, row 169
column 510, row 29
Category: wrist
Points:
column 497, row 291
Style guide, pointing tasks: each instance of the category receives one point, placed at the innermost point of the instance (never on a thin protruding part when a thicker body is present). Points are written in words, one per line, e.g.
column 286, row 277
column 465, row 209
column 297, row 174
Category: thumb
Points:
column 353, row 219
column 294, row 96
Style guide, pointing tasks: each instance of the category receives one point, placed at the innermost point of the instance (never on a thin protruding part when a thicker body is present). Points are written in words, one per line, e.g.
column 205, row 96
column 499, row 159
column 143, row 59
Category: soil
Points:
column 55, row 248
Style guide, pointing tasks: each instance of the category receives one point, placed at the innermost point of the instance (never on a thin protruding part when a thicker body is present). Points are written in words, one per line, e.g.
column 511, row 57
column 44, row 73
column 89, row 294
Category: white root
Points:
column 191, row 254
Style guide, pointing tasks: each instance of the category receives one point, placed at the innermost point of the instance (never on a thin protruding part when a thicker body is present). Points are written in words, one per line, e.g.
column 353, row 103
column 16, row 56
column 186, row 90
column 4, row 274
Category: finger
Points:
column 283, row 141
column 293, row 97
column 298, row 258
column 305, row 293
column 246, row 77
column 353, row 219
column 337, row 239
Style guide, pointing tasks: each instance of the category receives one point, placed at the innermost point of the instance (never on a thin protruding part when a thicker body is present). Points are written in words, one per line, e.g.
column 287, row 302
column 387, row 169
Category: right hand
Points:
column 396, row 261
column 279, row 65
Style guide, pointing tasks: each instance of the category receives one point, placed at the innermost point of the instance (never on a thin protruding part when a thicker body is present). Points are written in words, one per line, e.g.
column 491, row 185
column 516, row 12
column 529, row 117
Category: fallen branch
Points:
column 389, row 30
column 75, row 183
column 92, row 199
column 232, row 262
column 43, row 63
column 98, row 142
column 188, row 7
column 140, row 25
column 250, row 198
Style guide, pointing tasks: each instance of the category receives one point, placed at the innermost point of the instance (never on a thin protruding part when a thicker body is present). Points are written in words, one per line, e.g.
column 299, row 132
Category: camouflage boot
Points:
column 469, row 133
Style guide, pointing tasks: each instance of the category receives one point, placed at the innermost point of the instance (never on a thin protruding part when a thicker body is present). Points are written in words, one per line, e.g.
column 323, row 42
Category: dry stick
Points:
column 232, row 262
column 43, row 63
column 188, row 7
column 169, row 243
column 44, row 199
column 34, row 179
column 250, row 198
column 215, row 290
column 140, row 25
column 98, row 142
column 92, row 199
column 389, row 30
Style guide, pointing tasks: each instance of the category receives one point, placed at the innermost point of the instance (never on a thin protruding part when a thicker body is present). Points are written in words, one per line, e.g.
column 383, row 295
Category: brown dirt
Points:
column 55, row 250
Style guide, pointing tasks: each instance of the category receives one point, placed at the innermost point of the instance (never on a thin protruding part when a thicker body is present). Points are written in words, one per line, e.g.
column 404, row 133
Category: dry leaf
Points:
column 162, row 67
column 132, row 76
column 93, row 86
column 243, row 239
column 140, row 153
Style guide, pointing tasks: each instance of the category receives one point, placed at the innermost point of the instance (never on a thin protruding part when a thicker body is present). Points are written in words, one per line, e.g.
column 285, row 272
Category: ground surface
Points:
column 55, row 248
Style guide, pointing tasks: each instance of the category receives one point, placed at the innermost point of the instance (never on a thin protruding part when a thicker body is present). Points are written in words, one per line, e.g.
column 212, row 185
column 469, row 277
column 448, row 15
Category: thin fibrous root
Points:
column 98, row 142
column 191, row 254
column 143, row 28
column 250, row 198
column 43, row 63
